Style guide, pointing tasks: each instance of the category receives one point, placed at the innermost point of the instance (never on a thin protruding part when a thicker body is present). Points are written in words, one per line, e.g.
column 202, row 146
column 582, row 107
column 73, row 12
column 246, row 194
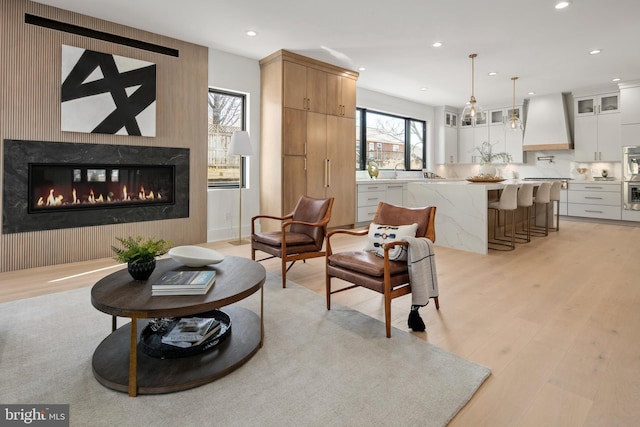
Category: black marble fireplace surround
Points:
column 104, row 167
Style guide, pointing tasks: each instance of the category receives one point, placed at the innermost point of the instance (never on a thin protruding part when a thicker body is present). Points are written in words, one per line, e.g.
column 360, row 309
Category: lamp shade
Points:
column 240, row 144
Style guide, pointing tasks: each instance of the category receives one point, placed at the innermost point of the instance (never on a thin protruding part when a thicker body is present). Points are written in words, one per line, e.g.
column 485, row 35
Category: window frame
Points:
column 362, row 113
column 243, row 125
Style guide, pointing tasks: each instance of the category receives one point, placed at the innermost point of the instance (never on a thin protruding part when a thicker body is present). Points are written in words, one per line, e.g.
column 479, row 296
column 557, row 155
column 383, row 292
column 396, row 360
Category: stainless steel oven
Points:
column 631, row 178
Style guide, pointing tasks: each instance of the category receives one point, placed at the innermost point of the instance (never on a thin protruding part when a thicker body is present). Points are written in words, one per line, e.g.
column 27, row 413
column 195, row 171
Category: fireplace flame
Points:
column 52, row 199
column 55, row 199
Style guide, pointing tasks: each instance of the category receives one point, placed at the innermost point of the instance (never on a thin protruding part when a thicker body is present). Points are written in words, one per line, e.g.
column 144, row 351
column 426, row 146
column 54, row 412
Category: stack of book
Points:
column 192, row 331
column 184, row 283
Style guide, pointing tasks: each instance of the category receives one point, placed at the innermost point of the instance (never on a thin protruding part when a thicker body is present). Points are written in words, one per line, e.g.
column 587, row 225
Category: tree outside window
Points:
column 390, row 140
column 226, row 115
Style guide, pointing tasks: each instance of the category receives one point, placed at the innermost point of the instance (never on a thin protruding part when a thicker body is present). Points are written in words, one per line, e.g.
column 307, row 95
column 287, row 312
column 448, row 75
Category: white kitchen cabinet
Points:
column 470, row 137
column 630, row 134
column 595, row 200
column 630, row 103
column 372, row 193
column 597, row 104
column 446, row 126
column 505, row 140
column 564, row 202
column 597, row 128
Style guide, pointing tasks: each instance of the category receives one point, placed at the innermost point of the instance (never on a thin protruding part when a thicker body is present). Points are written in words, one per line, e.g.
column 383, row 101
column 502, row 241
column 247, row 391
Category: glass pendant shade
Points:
column 514, row 122
column 472, row 112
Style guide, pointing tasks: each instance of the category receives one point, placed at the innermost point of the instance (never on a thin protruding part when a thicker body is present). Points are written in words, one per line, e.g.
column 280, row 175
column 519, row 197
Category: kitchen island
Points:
column 462, row 215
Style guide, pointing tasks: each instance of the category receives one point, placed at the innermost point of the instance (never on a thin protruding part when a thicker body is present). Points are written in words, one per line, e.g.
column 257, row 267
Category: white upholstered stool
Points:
column 542, row 197
column 525, row 202
column 508, row 202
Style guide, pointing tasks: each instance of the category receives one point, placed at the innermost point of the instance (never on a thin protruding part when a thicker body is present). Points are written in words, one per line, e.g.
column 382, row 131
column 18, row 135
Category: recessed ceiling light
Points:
column 361, row 69
column 424, row 88
column 437, row 44
column 595, row 52
column 562, row 4
column 492, row 73
column 251, row 33
column 615, row 79
column 531, row 93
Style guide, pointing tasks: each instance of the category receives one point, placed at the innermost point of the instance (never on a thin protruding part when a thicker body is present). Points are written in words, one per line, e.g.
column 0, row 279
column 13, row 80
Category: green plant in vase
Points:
column 140, row 254
column 487, row 156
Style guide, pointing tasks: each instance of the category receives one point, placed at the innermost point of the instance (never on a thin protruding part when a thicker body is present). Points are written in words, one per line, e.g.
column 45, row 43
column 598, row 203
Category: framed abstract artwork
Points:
column 109, row 94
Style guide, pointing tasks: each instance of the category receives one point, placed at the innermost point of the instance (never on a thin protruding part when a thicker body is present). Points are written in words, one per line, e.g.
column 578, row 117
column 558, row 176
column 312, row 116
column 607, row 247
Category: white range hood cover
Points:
column 547, row 125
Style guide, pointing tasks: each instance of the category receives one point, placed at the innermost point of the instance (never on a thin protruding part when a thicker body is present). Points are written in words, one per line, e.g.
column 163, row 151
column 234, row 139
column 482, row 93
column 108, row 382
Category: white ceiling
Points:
column 546, row 48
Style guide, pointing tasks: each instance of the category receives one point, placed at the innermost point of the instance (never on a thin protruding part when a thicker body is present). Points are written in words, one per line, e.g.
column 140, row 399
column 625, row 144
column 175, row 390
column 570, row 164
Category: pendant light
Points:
column 472, row 113
column 514, row 122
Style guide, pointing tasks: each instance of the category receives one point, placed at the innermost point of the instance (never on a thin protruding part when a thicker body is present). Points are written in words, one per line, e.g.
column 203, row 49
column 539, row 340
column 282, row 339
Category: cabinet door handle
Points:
column 594, row 188
column 305, row 163
column 593, row 198
column 587, row 210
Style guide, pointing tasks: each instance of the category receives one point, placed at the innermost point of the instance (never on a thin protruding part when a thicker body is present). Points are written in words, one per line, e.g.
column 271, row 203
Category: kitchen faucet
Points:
column 395, row 169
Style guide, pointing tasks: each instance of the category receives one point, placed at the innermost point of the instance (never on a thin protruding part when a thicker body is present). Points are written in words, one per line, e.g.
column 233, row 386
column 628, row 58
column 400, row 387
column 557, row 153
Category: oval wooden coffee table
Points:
column 135, row 372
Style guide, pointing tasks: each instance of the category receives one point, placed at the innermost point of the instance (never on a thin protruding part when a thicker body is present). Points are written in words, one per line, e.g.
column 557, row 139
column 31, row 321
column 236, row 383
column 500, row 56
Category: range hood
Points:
column 547, row 124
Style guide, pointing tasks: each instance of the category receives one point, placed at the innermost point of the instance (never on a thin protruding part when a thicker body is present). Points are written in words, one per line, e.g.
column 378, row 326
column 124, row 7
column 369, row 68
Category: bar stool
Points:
column 508, row 202
column 525, row 202
column 542, row 197
column 554, row 196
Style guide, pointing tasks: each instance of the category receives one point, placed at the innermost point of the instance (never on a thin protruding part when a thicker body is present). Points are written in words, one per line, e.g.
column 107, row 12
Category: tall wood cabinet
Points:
column 307, row 135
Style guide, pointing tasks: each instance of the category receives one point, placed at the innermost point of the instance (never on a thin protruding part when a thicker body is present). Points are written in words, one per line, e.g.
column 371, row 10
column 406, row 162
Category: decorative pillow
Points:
column 379, row 235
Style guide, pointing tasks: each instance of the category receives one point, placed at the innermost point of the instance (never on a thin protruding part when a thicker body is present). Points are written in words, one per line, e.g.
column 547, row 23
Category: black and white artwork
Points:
column 110, row 94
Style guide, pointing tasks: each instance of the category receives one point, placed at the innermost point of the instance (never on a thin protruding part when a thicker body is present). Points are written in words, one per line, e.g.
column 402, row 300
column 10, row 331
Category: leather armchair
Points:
column 301, row 235
column 382, row 275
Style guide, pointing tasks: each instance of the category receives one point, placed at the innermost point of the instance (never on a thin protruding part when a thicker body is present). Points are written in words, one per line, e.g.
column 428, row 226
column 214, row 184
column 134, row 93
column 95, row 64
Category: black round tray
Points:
column 152, row 345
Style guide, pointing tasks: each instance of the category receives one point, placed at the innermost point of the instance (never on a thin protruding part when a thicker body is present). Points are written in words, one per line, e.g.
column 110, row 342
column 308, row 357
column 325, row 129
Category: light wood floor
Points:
column 557, row 321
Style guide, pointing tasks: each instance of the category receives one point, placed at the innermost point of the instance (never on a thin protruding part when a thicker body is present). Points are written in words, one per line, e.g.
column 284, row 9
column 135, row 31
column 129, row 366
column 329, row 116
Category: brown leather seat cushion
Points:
column 366, row 263
column 274, row 238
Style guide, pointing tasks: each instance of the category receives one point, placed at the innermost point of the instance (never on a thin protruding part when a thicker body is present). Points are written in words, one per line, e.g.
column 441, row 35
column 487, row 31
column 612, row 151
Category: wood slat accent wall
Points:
column 30, row 78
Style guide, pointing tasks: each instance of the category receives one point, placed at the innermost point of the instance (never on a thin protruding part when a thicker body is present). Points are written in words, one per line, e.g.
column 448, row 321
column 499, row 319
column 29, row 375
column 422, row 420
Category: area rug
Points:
column 316, row 368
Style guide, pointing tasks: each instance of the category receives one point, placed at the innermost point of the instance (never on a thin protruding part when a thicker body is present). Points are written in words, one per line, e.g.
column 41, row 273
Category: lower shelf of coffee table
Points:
column 155, row 375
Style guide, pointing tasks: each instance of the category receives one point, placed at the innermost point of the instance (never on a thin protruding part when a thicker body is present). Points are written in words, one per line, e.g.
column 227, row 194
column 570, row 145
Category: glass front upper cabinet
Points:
column 597, row 104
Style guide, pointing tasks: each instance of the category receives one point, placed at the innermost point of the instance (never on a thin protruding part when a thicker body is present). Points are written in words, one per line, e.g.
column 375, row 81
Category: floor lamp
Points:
column 240, row 146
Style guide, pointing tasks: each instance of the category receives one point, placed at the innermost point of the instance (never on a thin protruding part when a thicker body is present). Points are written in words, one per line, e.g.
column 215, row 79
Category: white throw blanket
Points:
column 422, row 270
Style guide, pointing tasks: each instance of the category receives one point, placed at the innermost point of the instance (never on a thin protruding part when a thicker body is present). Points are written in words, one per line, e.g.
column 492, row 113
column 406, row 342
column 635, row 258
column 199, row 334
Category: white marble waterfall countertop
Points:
column 462, row 215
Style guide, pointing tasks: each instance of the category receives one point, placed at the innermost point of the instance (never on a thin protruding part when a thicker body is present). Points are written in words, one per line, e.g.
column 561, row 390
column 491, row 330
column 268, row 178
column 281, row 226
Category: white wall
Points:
column 238, row 74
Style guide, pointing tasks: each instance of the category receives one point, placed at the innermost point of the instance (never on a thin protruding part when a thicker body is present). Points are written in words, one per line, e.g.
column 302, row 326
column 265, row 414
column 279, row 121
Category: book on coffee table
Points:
column 184, row 283
column 191, row 331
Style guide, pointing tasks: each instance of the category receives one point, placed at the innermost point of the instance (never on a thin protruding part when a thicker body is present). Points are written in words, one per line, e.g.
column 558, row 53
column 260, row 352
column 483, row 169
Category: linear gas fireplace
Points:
column 98, row 186
column 51, row 185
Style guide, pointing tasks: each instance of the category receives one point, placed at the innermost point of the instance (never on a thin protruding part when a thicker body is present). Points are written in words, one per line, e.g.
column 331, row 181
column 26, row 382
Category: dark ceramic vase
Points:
column 141, row 270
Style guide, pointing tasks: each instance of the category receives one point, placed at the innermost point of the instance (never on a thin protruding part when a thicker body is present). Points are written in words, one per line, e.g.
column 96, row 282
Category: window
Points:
column 226, row 115
column 390, row 140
